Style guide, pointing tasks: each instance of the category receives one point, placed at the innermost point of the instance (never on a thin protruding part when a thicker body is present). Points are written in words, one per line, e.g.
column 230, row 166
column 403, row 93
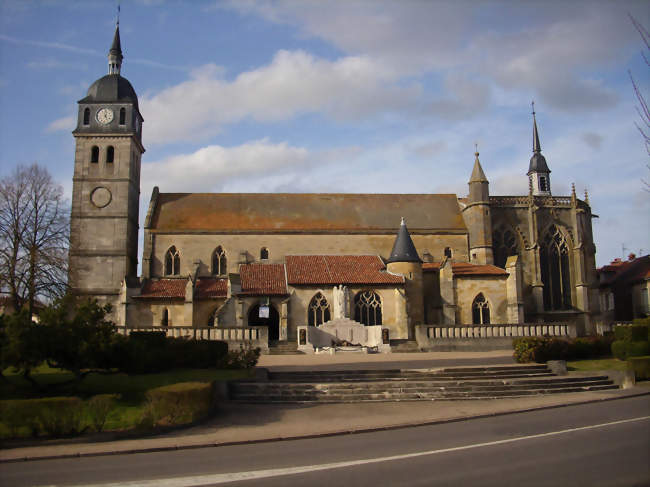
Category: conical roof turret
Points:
column 115, row 56
column 403, row 248
column 478, row 176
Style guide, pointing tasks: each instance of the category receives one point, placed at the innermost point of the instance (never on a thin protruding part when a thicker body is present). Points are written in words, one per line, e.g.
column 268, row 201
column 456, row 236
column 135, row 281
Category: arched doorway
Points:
column 273, row 320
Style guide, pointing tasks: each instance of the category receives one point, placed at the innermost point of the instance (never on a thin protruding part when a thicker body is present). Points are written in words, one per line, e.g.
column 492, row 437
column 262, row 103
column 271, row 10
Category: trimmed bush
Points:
column 640, row 366
column 543, row 349
column 56, row 416
column 618, row 349
column 178, row 403
column 623, row 350
column 632, row 333
column 98, row 408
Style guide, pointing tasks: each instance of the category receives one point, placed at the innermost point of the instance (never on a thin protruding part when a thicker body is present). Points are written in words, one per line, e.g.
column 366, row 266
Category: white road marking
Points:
column 222, row 478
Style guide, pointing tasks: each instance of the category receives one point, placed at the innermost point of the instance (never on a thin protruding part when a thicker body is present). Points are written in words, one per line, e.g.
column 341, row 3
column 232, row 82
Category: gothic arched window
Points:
column 264, row 253
column 110, row 154
column 367, row 308
column 555, row 270
column 172, row 262
column 94, row 154
column 165, row 318
column 504, row 244
column 87, row 116
column 219, row 263
column 122, row 116
column 318, row 311
column 480, row 310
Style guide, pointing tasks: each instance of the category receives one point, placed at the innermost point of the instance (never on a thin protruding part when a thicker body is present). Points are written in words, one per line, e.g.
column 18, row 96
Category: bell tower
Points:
column 106, row 185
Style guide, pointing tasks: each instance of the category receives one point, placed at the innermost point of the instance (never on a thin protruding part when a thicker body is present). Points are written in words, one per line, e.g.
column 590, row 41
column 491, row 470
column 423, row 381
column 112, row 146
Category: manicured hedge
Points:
column 631, row 340
column 55, row 416
column 632, row 333
column 149, row 352
column 178, row 403
column 543, row 349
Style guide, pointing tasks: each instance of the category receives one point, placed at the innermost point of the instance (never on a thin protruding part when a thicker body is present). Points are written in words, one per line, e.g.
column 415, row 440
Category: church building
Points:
column 227, row 265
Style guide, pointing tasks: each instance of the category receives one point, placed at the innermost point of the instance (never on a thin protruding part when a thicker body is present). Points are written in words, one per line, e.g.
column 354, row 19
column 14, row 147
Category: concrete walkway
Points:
column 242, row 423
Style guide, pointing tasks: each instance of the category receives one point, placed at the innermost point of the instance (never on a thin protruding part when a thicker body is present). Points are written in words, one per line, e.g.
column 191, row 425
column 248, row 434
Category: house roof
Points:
column 209, row 288
column 338, row 269
column 163, row 288
column 467, row 269
column 263, row 280
column 293, row 213
column 630, row 271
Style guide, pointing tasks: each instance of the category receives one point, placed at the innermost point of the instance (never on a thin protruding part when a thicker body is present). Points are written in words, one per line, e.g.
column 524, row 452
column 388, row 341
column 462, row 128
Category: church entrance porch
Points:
column 265, row 315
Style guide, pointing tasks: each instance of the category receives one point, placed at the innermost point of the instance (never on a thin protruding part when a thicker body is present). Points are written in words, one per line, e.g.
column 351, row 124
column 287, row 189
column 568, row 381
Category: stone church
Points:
column 223, row 264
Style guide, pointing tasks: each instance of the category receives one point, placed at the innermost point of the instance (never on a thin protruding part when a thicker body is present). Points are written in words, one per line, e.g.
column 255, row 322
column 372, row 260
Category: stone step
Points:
column 294, row 389
column 398, row 378
column 418, row 396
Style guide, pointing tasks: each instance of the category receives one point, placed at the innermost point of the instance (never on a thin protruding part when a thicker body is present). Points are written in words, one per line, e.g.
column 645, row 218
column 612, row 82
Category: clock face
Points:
column 101, row 197
column 105, row 116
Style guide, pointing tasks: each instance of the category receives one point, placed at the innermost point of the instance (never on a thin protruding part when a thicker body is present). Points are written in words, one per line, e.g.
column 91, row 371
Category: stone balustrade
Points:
column 254, row 336
column 485, row 337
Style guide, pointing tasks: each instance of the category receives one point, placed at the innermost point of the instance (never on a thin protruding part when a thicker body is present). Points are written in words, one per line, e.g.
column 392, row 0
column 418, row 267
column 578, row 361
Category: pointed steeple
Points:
column 538, row 161
column 477, row 173
column 536, row 146
column 403, row 248
column 115, row 53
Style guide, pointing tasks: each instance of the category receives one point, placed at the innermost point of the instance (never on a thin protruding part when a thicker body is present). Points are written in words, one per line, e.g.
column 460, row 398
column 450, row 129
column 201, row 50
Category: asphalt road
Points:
column 606, row 443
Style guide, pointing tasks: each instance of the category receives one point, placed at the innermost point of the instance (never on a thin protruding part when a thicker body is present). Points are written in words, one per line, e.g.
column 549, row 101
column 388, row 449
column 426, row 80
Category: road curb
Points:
column 316, row 435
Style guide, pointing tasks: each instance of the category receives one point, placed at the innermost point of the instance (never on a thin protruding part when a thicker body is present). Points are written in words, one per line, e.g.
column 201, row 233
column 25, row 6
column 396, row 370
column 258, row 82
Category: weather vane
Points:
column 118, row 13
column 533, row 105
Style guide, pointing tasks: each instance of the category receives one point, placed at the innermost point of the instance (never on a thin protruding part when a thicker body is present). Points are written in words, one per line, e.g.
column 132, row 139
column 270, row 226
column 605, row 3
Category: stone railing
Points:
column 255, row 336
column 443, row 337
column 555, row 201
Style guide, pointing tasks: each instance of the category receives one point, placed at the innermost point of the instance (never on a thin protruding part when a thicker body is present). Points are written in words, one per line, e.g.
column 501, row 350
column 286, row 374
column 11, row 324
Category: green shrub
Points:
column 543, row 349
column 637, row 349
column 244, row 358
column 62, row 416
column 640, row 366
column 98, row 407
column 618, row 349
column 178, row 403
column 632, row 333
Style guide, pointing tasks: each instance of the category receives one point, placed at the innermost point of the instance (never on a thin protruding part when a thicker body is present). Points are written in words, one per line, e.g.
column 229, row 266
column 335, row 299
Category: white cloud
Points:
column 211, row 168
column 64, row 123
column 292, row 84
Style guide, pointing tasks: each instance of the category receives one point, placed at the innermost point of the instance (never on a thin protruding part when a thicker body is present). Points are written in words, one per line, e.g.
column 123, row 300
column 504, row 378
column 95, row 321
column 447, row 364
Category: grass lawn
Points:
column 600, row 364
column 131, row 388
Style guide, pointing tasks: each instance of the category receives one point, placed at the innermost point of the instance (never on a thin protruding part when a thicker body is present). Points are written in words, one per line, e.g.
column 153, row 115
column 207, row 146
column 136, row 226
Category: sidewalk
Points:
column 243, row 423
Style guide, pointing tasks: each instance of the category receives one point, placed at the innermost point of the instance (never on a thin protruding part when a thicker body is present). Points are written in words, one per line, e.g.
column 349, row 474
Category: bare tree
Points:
column 642, row 108
column 34, row 227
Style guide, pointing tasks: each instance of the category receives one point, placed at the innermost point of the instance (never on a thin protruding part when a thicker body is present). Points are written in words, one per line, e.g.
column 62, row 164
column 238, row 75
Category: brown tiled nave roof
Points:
column 467, row 269
column 338, row 269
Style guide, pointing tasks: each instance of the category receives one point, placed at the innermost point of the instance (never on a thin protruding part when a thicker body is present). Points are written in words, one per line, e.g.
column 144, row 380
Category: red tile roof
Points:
column 467, row 269
column 263, row 279
column 209, row 288
column 338, row 269
column 163, row 288
column 630, row 271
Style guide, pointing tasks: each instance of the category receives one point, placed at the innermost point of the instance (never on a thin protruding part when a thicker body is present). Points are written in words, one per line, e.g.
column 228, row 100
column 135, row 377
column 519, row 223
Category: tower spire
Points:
column 115, row 52
column 536, row 145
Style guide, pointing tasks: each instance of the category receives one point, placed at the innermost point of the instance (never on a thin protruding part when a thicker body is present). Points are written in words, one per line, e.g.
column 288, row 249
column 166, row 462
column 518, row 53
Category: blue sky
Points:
column 346, row 96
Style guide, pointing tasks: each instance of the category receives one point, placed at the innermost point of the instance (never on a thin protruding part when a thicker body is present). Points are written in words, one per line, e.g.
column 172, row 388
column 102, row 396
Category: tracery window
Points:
column 367, row 308
column 555, row 270
column 219, row 262
column 318, row 311
column 264, row 253
column 480, row 310
column 504, row 244
column 172, row 262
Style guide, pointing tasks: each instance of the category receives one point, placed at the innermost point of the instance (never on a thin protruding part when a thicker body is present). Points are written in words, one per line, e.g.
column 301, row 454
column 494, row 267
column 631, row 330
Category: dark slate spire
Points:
column 115, row 53
column 403, row 248
column 538, row 161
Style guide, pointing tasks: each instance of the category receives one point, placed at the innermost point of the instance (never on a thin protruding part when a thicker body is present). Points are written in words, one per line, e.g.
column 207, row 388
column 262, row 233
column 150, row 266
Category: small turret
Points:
column 477, row 216
column 405, row 261
column 115, row 53
column 538, row 171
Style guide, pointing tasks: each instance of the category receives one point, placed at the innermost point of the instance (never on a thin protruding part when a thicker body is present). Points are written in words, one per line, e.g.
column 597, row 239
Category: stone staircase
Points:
column 284, row 348
column 412, row 385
